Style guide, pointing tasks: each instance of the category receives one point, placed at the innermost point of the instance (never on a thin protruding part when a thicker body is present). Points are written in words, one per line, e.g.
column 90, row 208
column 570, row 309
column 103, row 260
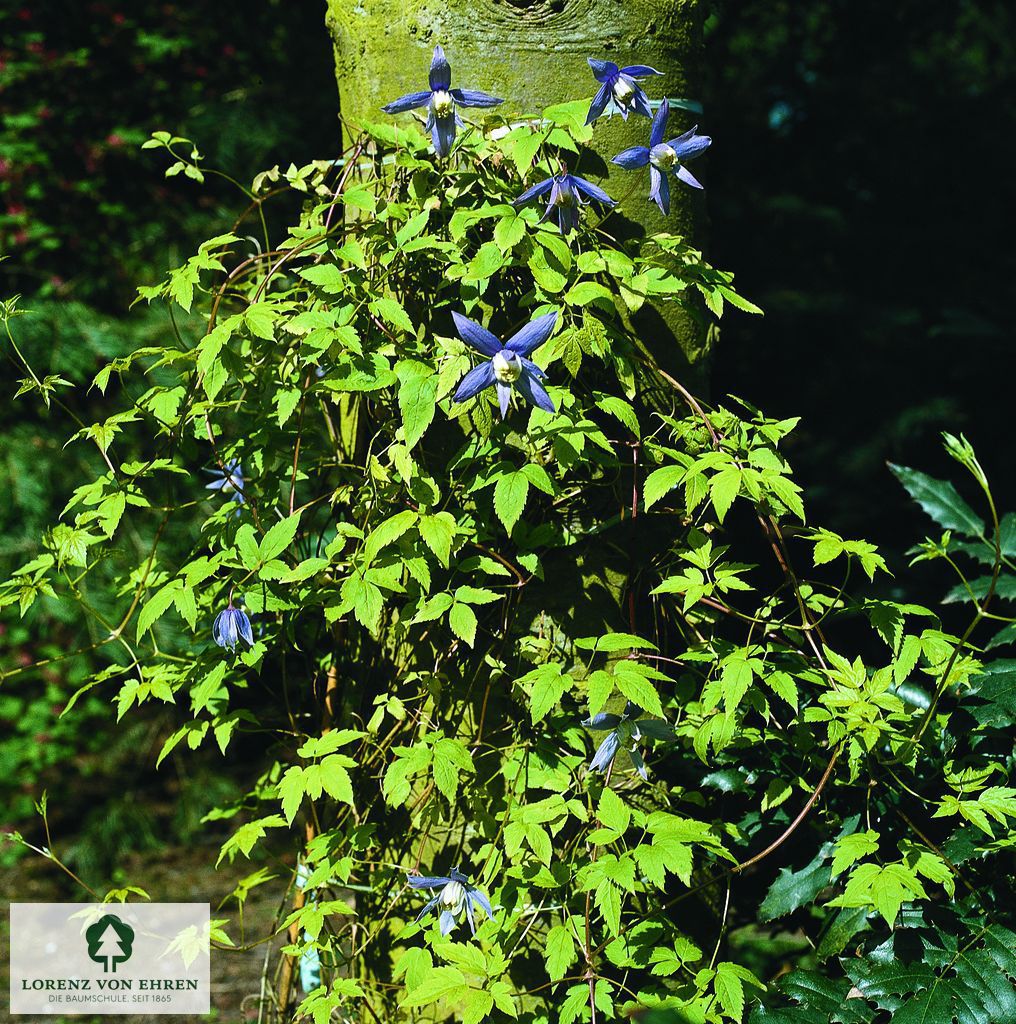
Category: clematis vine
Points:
column 619, row 90
column 441, row 100
column 626, row 730
column 230, row 625
column 456, row 895
column 230, row 481
column 508, row 365
column 566, row 196
column 664, row 157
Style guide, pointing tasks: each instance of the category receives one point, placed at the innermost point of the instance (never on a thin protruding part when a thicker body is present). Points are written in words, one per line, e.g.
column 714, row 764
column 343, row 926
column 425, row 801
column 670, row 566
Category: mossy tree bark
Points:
column 533, row 53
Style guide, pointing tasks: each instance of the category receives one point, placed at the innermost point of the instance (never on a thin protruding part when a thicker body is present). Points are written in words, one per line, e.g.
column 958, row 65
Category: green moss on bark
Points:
column 534, row 55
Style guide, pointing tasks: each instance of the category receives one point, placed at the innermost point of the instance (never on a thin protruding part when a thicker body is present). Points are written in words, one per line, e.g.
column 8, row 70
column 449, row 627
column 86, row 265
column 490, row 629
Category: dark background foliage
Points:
column 863, row 166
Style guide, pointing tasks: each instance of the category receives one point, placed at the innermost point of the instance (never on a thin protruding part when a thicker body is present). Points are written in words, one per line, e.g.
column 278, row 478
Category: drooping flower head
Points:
column 566, row 196
column 507, row 365
column 230, row 625
column 626, row 730
column 664, row 157
column 441, row 100
column 230, row 481
column 456, row 895
column 619, row 90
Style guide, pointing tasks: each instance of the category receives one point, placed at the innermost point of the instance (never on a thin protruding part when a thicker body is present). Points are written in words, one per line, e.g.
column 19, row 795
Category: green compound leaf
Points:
column 510, row 495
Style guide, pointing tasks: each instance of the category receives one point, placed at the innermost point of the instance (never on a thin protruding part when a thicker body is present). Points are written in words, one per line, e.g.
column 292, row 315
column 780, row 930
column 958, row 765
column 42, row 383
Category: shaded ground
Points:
column 174, row 874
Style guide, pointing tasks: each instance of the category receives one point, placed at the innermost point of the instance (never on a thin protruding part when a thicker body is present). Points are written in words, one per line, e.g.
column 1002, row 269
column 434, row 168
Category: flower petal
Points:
column 659, row 124
column 589, row 189
column 533, row 335
column 442, row 134
column 480, row 899
column 224, row 629
column 640, row 765
column 534, row 392
column 504, row 397
column 603, row 70
column 440, row 71
column 476, row 336
column 533, row 369
column 659, row 190
column 539, row 189
column 426, row 882
column 410, row 101
column 605, row 754
column 478, row 378
column 688, row 178
column 604, row 720
column 640, row 71
column 640, row 101
column 474, row 98
column 567, row 218
column 447, row 921
column 431, row 904
column 599, row 104
column 243, row 626
column 689, row 145
column 630, row 159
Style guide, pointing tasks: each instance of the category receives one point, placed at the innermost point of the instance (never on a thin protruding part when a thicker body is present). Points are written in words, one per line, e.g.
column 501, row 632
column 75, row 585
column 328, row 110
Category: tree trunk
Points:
column 533, row 53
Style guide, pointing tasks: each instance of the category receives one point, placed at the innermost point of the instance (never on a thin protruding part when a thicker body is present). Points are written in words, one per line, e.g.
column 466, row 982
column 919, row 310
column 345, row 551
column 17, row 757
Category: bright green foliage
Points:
column 439, row 598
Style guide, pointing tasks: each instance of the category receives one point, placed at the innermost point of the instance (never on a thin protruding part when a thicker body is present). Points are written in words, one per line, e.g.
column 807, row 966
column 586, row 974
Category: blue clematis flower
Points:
column 230, row 625
column 566, row 192
column 456, row 895
column 230, row 481
column 626, row 729
column 619, row 90
column 664, row 157
column 507, row 364
column 441, row 101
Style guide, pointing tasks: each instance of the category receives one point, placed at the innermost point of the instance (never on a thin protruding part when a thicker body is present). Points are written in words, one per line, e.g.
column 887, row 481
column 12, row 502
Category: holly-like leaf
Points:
column 941, row 500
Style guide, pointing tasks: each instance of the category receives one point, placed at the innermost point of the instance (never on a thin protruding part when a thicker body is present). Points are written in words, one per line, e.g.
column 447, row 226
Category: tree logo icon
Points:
column 110, row 942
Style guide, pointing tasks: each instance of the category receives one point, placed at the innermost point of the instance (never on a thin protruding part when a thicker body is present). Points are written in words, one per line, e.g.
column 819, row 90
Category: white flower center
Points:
column 453, row 896
column 662, row 156
column 507, row 366
column 442, row 103
column 623, row 92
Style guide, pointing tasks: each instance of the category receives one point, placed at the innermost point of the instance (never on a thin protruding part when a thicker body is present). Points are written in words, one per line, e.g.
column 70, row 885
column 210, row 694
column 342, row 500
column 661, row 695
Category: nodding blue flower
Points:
column 456, row 895
column 507, row 364
column 664, row 157
column 626, row 730
column 441, row 101
column 566, row 192
column 230, row 625
column 619, row 89
column 230, row 481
